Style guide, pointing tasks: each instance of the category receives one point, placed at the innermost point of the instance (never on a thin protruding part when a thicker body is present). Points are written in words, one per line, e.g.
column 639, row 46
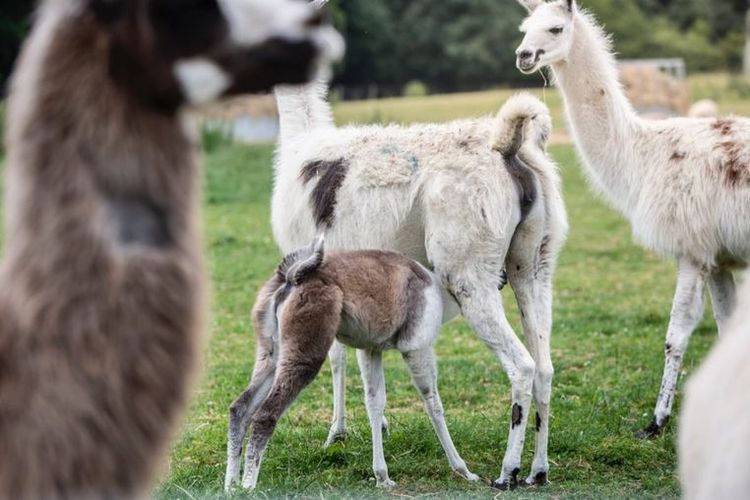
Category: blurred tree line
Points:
column 451, row 45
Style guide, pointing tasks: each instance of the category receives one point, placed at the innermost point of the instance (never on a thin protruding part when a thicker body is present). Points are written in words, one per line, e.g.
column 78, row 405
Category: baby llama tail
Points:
column 522, row 117
column 301, row 264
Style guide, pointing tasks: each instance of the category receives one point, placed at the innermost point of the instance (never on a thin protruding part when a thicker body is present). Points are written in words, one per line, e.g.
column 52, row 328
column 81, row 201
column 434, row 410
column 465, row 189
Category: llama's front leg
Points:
column 371, row 367
column 240, row 414
column 337, row 358
column 723, row 297
column 294, row 374
column 687, row 310
column 423, row 368
column 482, row 307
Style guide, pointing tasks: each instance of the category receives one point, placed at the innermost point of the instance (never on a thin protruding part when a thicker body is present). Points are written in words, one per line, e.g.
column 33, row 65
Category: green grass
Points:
column 611, row 311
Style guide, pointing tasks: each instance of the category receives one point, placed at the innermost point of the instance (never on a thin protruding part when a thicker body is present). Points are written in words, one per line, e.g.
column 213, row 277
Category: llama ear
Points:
column 531, row 5
column 571, row 5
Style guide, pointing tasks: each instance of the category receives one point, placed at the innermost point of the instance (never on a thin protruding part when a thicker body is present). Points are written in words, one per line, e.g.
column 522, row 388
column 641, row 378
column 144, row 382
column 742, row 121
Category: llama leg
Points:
column 687, row 310
column 304, row 341
column 530, row 264
column 483, row 308
column 721, row 285
column 337, row 358
column 293, row 375
column 423, row 368
column 244, row 407
column 371, row 367
column 240, row 414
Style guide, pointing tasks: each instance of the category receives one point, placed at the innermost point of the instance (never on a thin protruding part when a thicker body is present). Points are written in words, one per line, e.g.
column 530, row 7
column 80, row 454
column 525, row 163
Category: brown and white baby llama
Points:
column 372, row 300
column 102, row 283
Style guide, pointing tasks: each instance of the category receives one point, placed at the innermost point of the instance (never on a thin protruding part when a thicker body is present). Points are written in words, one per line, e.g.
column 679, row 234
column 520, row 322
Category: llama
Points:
column 684, row 184
column 465, row 199
column 372, row 300
column 102, row 283
column 714, row 430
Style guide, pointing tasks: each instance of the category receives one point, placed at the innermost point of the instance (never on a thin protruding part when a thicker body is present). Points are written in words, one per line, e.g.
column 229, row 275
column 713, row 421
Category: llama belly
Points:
column 355, row 334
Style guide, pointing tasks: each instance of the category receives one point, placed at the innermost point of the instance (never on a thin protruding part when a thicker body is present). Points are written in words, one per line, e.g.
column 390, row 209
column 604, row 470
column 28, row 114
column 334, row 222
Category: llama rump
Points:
column 102, row 282
column 372, row 300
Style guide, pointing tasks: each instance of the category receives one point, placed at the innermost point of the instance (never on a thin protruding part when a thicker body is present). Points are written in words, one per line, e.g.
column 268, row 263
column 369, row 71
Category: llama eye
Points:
column 556, row 30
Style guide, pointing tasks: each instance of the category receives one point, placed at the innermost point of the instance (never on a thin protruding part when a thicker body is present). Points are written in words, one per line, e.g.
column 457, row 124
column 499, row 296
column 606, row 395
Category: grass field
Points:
column 611, row 311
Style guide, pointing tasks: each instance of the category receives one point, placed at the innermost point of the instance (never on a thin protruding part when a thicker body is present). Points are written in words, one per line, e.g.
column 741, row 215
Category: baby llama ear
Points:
column 319, row 244
column 531, row 5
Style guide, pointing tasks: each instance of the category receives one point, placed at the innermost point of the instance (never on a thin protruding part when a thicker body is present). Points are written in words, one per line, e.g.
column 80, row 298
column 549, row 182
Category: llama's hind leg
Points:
column 243, row 408
column 371, row 368
column 240, row 414
column 481, row 305
column 723, row 297
column 531, row 263
column 687, row 310
column 307, row 330
column 423, row 368
column 337, row 358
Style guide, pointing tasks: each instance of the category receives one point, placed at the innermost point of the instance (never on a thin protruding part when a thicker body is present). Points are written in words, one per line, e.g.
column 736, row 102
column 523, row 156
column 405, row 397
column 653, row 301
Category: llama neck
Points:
column 301, row 110
column 602, row 121
column 85, row 159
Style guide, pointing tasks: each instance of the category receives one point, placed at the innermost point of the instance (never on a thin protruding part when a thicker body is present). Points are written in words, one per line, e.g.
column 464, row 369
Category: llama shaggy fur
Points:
column 102, row 282
column 684, row 184
column 466, row 199
column 714, row 429
column 370, row 299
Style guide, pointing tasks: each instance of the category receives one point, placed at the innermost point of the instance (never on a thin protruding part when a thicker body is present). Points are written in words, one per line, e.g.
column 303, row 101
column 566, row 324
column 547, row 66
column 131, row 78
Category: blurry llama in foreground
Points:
column 714, row 442
column 102, row 282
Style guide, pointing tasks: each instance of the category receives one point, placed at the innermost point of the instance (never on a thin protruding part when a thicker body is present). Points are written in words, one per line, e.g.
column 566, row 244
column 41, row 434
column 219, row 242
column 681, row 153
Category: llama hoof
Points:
column 538, row 479
column 509, row 483
column 466, row 473
column 335, row 436
column 386, row 484
column 653, row 430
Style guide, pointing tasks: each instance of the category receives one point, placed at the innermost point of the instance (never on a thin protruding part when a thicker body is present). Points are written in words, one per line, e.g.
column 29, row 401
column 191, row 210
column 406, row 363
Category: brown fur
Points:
column 380, row 293
column 102, row 284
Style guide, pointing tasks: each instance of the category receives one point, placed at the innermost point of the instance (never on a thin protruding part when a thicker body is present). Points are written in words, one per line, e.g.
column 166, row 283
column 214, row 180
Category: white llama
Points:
column 466, row 199
column 714, row 429
column 684, row 184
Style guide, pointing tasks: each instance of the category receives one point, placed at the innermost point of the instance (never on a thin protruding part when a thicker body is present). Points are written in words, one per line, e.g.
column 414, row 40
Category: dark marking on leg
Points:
column 331, row 176
column 138, row 221
column 653, row 430
column 516, row 415
column 540, row 479
column 510, row 484
column 525, row 182
column 503, row 279
column 538, row 422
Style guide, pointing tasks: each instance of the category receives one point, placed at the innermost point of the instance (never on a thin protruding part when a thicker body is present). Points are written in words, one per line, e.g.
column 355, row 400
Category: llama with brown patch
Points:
column 372, row 300
column 468, row 199
column 102, row 283
column 684, row 184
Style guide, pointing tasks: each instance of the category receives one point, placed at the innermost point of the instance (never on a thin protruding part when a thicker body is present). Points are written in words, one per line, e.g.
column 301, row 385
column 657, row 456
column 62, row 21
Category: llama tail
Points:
column 522, row 117
column 301, row 264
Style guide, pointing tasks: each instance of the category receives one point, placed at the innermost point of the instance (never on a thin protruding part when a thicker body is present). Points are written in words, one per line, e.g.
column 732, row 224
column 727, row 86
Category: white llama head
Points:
column 549, row 34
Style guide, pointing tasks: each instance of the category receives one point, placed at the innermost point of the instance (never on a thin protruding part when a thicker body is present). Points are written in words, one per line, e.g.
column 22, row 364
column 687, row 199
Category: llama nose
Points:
column 524, row 55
